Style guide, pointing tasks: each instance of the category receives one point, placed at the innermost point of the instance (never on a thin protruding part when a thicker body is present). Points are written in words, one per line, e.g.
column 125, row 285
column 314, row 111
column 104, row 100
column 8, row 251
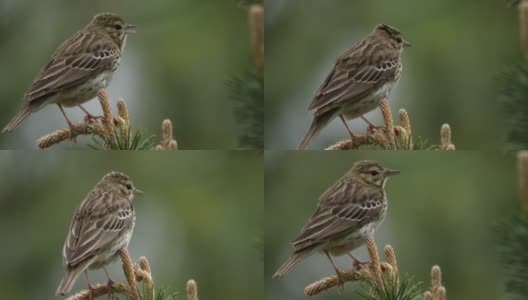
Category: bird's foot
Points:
column 373, row 129
column 90, row 291
column 357, row 264
column 340, row 279
column 72, row 136
column 109, row 285
column 89, row 119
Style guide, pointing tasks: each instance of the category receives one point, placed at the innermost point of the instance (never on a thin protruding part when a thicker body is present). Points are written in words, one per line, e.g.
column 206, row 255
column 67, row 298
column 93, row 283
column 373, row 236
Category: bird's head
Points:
column 120, row 183
column 112, row 24
column 392, row 35
column 371, row 173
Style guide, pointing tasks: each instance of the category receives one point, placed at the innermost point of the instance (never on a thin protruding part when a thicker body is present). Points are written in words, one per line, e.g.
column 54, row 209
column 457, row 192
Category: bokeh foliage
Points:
column 513, row 98
column 513, row 249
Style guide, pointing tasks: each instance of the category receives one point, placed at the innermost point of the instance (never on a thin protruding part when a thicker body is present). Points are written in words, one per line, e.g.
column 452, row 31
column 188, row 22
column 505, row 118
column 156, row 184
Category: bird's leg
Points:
column 90, row 286
column 371, row 127
column 339, row 273
column 70, row 124
column 357, row 263
column 89, row 117
column 109, row 283
column 352, row 135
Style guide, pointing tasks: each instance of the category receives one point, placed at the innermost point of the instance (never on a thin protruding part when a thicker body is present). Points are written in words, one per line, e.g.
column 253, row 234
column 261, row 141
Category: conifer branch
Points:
column 111, row 132
column 382, row 278
column 437, row 290
column 393, row 136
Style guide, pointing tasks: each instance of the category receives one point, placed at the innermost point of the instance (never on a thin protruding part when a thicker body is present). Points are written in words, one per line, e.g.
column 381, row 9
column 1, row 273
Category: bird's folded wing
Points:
column 90, row 234
column 338, row 219
column 354, row 76
column 72, row 64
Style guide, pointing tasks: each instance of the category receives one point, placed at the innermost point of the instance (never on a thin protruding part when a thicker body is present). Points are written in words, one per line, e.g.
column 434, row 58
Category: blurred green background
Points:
column 449, row 75
column 200, row 217
column 443, row 208
column 176, row 66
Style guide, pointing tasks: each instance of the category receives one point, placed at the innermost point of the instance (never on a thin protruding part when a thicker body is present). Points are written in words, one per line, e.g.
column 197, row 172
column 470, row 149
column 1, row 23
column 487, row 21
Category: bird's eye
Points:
column 374, row 173
column 129, row 186
column 399, row 40
column 118, row 27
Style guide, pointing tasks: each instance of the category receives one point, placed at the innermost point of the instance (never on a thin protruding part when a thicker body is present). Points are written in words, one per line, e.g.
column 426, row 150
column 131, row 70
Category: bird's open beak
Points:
column 406, row 44
column 391, row 173
column 138, row 192
column 130, row 28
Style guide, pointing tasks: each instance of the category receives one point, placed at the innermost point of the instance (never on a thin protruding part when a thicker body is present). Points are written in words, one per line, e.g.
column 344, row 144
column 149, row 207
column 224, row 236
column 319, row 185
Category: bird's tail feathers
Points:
column 22, row 114
column 290, row 263
column 319, row 121
column 69, row 279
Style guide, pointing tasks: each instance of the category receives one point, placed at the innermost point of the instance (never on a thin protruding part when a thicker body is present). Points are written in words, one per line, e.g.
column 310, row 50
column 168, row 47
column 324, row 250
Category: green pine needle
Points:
column 408, row 290
column 419, row 144
column 513, row 252
column 247, row 3
column 160, row 294
column 247, row 92
column 513, row 98
column 135, row 142
column 513, row 2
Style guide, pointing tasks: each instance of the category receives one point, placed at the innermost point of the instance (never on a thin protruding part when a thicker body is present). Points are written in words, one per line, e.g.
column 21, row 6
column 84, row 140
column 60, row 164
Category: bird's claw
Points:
column 373, row 129
column 89, row 119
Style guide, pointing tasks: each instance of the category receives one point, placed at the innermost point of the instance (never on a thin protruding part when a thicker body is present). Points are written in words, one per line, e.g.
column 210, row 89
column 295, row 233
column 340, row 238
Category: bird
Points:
column 360, row 78
column 101, row 226
column 348, row 212
column 78, row 69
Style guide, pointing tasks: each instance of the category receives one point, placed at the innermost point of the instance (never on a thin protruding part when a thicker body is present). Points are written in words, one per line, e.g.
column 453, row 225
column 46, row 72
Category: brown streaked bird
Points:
column 101, row 226
column 348, row 212
column 78, row 69
column 360, row 78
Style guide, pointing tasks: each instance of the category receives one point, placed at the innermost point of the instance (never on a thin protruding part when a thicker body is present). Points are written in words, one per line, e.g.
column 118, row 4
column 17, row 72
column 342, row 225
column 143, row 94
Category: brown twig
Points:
column 108, row 119
column 437, row 291
column 331, row 281
column 192, row 290
column 168, row 142
column 63, row 134
column 445, row 138
column 374, row 260
column 406, row 124
column 522, row 169
column 100, row 290
column 391, row 259
column 256, row 28
column 124, row 120
column 523, row 27
column 389, row 123
column 123, row 112
column 128, row 269
column 143, row 273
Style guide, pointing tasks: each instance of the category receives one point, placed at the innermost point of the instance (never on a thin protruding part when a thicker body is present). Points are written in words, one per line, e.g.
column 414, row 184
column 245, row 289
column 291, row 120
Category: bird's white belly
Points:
column 84, row 92
column 106, row 257
column 366, row 104
column 351, row 241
